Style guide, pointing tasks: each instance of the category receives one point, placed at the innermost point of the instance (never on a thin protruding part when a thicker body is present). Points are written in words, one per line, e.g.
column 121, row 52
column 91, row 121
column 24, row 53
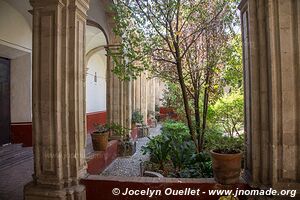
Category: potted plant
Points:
column 136, row 117
column 226, row 159
column 152, row 122
column 100, row 137
column 126, row 146
column 143, row 131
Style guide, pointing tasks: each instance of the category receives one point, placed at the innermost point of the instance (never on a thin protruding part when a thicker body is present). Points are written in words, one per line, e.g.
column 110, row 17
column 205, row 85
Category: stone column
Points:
column 127, row 103
column 143, row 99
column 108, row 89
column 119, row 91
column 133, row 94
column 151, row 95
column 116, row 101
column 138, row 93
column 58, row 81
column 114, row 85
column 159, row 88
column 271, row 43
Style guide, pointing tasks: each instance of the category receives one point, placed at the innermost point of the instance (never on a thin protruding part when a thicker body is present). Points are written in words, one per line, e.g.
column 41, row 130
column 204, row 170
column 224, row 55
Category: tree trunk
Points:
column 186, row 102
column 197, row 117
column 205, row 109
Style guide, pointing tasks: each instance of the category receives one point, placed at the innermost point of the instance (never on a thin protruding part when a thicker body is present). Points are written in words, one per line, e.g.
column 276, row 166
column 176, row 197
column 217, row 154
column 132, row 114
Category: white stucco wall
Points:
column 15, row 30
column 16, row 45
column 96, row 91
column 20, row 88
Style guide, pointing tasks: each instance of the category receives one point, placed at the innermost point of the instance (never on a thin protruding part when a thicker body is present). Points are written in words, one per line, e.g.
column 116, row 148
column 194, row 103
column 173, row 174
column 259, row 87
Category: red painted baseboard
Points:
column 99, row 160
column 21, row 133
column 95, row 118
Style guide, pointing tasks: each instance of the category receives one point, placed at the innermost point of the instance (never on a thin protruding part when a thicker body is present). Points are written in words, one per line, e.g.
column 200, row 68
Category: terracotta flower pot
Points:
column 226, row 167
column 100, row 141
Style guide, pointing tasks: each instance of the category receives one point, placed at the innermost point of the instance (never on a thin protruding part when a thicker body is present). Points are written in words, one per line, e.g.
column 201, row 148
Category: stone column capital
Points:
column 46, row 3
column 82, row 5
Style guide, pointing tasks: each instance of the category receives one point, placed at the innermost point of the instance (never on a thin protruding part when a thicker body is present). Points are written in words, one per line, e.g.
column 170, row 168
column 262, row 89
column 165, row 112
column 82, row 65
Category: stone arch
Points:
column 90, row 22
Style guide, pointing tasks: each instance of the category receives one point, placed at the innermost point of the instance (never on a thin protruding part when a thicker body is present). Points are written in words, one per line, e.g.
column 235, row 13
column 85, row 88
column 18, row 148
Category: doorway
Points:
column 4, row 101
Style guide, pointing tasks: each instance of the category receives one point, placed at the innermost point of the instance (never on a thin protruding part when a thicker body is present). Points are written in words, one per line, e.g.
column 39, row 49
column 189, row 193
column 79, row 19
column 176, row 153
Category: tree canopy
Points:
column 180, row 41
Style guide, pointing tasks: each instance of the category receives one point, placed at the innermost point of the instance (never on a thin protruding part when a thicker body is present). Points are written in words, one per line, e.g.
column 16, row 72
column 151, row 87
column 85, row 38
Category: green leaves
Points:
column 101, row 128
column 136, row 117
column 228, row 112
column 233, row 74
column 132, row 55
column 174, row 145
column 158, row 148
column 184, row 42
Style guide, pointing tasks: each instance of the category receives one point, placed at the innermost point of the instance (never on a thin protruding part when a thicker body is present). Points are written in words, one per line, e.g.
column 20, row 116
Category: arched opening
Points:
column 96, row 67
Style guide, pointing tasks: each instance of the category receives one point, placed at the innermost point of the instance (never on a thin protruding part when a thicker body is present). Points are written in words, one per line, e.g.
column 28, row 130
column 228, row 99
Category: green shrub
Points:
column 137, row 117
column 229, row 144
column 211, row 137
column 158, row 147
column 175, row 145
column 199, row 166
column 215, row 140
column 176, row 130
column 120, row 130
column 228, row 112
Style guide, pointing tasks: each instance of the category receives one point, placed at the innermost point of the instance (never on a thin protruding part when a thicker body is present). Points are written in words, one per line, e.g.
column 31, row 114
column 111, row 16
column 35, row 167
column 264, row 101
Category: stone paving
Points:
column 16, row 169
column 130, row 166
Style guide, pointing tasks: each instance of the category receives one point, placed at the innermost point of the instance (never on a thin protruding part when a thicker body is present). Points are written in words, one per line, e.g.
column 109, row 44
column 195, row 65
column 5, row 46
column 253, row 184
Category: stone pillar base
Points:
column 37, row 192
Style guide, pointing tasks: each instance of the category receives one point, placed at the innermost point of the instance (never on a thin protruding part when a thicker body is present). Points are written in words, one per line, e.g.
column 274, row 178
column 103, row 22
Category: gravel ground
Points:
column 130, row 166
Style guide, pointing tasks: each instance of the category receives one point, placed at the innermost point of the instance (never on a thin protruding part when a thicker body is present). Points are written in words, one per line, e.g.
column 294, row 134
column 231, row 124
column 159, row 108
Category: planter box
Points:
column 100, row 187
column 143, row 131
column 152, row 123
column 126, row 149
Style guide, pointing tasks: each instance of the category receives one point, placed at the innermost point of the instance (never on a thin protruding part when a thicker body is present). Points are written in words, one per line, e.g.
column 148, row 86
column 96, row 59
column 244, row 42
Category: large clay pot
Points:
column 100, row 141
column 226, row 167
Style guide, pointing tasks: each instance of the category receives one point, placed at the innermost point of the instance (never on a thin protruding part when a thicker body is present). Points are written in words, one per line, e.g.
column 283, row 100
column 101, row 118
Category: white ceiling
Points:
column 94, row 38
